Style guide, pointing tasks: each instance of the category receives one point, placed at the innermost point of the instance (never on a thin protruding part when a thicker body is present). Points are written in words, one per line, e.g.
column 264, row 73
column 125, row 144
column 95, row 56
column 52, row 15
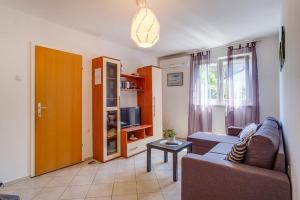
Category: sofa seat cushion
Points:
column 215, row 156
column 222, row 148
column 263, row 146
column 203, row 142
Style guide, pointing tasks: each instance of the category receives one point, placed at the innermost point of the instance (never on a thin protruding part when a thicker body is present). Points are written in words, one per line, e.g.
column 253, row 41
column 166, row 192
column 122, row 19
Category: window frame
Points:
column 220, row 101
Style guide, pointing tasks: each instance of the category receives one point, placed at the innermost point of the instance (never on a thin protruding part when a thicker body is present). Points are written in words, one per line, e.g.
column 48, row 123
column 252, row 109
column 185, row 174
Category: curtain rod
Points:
column 206, row 49
column 225, row 45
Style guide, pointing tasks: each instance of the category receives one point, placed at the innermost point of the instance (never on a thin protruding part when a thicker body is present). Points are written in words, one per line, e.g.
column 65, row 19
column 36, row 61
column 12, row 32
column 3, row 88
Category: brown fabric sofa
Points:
column 206, row 175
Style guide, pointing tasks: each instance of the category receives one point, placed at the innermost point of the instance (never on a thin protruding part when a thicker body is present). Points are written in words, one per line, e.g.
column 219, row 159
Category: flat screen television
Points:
column 130, row 116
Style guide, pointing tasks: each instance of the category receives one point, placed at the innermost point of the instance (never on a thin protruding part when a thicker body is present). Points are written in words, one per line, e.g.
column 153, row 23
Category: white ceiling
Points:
column 185, row 24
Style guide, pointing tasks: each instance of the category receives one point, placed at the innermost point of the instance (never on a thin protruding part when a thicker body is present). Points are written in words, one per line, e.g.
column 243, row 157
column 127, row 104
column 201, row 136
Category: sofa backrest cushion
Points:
column 280, row 160
column 263, row 145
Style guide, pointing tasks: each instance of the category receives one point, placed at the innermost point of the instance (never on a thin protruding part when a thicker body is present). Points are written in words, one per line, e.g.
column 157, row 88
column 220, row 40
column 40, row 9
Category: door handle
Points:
column 39, row 109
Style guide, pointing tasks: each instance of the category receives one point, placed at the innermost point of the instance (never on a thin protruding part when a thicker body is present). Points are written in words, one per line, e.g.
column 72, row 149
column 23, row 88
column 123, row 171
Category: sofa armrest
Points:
column 214, row 179
column 234, row 130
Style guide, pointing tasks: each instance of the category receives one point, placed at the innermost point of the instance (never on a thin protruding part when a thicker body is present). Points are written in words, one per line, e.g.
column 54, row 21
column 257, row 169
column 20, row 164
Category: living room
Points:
column 149, row 99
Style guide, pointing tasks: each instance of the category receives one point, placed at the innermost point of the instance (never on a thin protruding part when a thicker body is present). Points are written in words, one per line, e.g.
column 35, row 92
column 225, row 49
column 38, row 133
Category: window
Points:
column 207, row 87
column 218, row 79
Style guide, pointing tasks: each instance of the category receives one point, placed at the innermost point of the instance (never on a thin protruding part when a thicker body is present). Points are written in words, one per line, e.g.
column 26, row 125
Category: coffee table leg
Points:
column 148, row 158
column 175, row 167
column 165, row 156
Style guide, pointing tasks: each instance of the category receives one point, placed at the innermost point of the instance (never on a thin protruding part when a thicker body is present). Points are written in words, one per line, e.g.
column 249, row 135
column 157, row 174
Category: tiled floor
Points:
column 120, row 179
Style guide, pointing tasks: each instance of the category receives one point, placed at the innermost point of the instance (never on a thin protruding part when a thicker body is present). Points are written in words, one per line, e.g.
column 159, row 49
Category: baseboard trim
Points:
column 16, row 181
column 88, row 159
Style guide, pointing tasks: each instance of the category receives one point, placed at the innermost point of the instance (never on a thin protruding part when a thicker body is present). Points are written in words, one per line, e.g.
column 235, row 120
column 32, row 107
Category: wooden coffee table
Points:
column 167, row 148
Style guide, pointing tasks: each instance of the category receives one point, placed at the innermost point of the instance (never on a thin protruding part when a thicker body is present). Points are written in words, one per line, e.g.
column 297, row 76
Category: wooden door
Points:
column 58, row 106
column 157, row 101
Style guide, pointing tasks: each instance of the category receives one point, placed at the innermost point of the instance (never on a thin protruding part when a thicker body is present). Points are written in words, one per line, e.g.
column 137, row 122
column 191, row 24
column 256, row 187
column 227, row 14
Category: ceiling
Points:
column 185, row 24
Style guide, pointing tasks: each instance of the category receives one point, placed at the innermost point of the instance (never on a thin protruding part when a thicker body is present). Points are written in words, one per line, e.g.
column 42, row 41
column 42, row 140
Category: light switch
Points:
column 18, row 78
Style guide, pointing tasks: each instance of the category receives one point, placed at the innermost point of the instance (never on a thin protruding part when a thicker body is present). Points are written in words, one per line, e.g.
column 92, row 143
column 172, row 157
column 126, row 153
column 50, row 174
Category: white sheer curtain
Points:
column 242, row 103
column 200, row 111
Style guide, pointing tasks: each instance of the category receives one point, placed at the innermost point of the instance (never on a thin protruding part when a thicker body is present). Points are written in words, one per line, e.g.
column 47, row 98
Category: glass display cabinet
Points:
column 106, row 108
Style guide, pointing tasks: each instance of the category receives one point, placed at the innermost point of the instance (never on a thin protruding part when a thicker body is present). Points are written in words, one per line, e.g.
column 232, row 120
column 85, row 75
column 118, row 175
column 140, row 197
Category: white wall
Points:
column 175, row 99
column 16, row 33
column 268, row 77
column 289, row 90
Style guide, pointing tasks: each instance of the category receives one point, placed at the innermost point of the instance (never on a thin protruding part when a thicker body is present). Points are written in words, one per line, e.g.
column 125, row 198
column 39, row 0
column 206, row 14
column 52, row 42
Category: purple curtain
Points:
column 200, row 112
column 242, row 104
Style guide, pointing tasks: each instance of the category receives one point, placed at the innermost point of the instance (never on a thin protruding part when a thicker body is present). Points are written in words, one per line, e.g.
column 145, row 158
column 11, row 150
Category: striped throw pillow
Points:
column 238, row 151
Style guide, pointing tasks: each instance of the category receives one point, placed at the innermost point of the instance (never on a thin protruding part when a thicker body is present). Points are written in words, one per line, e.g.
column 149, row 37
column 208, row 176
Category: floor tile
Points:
column 127, row 176
column 170, row 190
column 100, row 190
column 164, row 174
column 76, row 192
column 124, row 188
column 82, row 180
column 125, row 197
column 37, row 182
column 50, row 193
column 169, row 185
column 164, row 166
column 104, row 178
column 60, row 181
column 99, row 198
column 151, row 196
column 69, row 171
column 119, row 179
column 149, row 186
column 174, row 195
column 143, row 175
column 24, row 194
column 88, row 170
column 106, row 170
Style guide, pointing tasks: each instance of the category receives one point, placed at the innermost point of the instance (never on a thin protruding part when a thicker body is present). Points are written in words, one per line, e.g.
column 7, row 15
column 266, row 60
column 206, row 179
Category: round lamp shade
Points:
column 145, row 28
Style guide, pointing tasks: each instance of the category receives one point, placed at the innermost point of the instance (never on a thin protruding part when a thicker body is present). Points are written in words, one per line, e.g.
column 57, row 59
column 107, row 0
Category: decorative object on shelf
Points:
column 133, row 138
column 132, row 82
column 145, row 26
column 175, row 79
column 135, row 74
column 128, row 85
column 111, row 133
column 169, row 134
column 282, row 47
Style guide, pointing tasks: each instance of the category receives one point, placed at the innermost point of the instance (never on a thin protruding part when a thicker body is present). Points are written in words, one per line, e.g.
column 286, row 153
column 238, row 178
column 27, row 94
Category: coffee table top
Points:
column 170, row 148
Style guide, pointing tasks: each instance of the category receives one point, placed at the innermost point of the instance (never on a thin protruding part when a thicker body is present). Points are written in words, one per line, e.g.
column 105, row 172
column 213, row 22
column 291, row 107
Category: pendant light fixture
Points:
column 145, row 26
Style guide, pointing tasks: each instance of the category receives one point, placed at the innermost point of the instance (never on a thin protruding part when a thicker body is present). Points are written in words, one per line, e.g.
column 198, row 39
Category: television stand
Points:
column 134, row 139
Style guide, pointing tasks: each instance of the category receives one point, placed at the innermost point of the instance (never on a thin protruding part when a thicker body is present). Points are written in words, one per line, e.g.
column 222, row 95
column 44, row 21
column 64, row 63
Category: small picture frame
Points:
column 282, row 47
column 175, row 79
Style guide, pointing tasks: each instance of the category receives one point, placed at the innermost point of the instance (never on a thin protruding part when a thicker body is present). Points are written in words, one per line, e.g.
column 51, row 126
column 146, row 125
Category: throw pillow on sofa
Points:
column 238, row 151
column 248, row 131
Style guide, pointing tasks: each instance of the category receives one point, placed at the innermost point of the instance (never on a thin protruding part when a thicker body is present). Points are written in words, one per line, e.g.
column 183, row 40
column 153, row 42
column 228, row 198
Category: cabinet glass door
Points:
column 111, row 84
column 112, row 132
